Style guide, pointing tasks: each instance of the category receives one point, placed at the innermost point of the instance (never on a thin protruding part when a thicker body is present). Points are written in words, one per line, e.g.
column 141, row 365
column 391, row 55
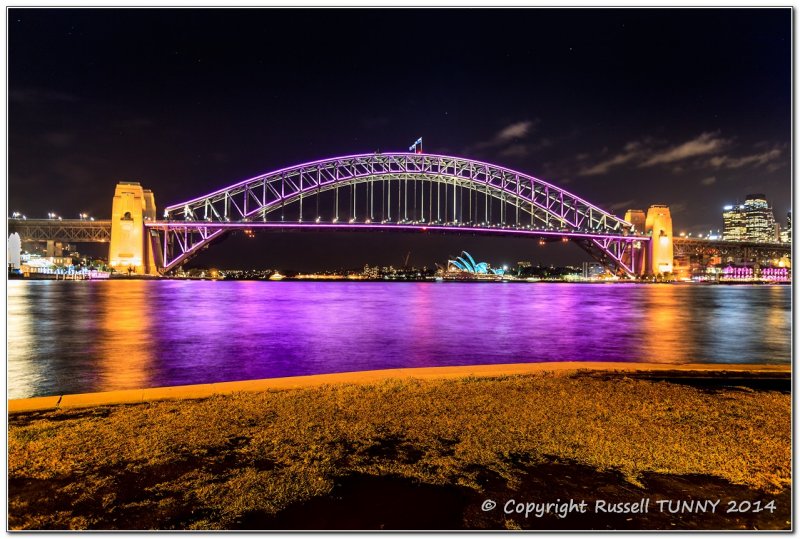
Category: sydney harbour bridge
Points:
column 411, row 192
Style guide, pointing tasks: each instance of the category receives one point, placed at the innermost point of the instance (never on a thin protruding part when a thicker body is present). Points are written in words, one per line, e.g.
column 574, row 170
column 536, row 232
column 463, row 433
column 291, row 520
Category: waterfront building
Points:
column 14, row 246
column 371, row 272
column 54, row 248
column 466, row 264
column 754, row 273
column 592, row 270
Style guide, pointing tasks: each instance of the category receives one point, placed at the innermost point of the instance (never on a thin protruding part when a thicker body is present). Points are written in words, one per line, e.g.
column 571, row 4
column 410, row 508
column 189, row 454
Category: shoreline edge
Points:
column 199, row 391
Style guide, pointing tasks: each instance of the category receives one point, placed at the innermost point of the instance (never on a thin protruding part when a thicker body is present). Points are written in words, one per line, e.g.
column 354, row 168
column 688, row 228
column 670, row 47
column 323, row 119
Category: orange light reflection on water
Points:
column 775, row 325
column 125, row 348
column 21, row 366
column 668, row 332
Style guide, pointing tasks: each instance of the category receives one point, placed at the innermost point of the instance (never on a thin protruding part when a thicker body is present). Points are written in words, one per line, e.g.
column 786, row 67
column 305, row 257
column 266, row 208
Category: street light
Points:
column 15, row 215
column 51, row 215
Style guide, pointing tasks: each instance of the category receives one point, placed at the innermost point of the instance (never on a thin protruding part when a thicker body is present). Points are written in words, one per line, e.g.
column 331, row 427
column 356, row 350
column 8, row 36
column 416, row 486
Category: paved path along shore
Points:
column 197, row 391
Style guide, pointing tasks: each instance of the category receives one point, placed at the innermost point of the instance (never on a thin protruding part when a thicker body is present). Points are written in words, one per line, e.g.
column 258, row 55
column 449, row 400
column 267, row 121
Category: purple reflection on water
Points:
column 68, row 337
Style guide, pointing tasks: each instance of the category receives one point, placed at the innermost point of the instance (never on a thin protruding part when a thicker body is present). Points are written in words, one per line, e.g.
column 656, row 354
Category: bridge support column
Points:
column 659, row 227
column 149, row 215
column 130, row 251
column 639, row 254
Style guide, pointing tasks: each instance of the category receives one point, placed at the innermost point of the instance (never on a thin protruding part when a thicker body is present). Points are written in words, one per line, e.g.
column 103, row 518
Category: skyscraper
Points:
column 734, row 223
column 751, row 221
column 786, row 234
column 760, row 219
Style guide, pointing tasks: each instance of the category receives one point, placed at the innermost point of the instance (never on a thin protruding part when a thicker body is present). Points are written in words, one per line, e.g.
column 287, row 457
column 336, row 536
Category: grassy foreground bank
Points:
column 414, row 454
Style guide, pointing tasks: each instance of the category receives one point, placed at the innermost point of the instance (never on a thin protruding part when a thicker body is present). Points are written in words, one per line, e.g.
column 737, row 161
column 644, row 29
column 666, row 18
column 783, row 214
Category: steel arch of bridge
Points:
column 190, row 226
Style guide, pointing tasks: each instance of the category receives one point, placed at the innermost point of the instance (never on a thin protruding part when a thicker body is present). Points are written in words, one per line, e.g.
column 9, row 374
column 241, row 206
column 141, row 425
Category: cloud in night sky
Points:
column 515, row 150
column 39, row 95
column 514, row 131
column 632, row 150
column 507, row 140
column 704, row 144
column 623, row 205
column 708, row 181
column 643, row 154
column 678, row 207
column 739, row 162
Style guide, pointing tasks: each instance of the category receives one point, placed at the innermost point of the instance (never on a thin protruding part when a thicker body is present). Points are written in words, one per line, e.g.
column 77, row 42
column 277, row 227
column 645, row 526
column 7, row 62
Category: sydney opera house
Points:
column 465, row 264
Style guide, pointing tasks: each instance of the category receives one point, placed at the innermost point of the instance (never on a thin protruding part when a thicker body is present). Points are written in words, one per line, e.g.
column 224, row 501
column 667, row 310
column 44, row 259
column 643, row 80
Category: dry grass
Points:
column 226, row 456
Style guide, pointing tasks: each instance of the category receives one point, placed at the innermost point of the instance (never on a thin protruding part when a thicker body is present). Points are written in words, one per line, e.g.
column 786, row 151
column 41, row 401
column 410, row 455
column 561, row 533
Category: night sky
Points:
column 625, row 108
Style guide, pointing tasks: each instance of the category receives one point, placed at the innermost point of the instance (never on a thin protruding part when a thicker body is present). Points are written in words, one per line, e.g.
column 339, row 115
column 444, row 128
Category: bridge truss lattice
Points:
column 404, row 191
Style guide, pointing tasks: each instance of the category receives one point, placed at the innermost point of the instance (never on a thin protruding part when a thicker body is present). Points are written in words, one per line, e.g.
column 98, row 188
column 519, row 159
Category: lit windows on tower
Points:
column 786, row 234
column 760, row 219
column 734, row 223
column 751, row 221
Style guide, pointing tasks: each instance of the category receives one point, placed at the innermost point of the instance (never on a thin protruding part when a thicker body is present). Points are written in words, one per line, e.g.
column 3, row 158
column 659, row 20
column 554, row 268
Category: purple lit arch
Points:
column 549, row 213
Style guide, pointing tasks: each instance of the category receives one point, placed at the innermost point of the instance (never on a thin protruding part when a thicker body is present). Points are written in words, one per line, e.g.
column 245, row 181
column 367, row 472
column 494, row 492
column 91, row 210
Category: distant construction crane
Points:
column 417, row 146
column 405, row 263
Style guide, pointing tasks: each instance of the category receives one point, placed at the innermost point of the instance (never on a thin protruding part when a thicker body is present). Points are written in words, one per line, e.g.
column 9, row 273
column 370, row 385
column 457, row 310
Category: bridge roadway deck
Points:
column 377, row 226
column 99, row 231
column 64, row 230
column 684, row 246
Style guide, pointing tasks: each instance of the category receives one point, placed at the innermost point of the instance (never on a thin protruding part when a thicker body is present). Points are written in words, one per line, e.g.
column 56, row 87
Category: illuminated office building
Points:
column 786, row 234
column 760, row 219
column 734, row 223
column 751, row 221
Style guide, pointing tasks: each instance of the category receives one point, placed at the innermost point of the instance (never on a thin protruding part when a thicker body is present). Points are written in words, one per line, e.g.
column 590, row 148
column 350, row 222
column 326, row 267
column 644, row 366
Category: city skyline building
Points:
column 760, row 219
column 752, row 221
column 734, row 223
column 786, row 234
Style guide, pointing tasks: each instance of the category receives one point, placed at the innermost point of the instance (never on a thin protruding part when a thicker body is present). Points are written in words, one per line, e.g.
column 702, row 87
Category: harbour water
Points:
column 72, row 337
